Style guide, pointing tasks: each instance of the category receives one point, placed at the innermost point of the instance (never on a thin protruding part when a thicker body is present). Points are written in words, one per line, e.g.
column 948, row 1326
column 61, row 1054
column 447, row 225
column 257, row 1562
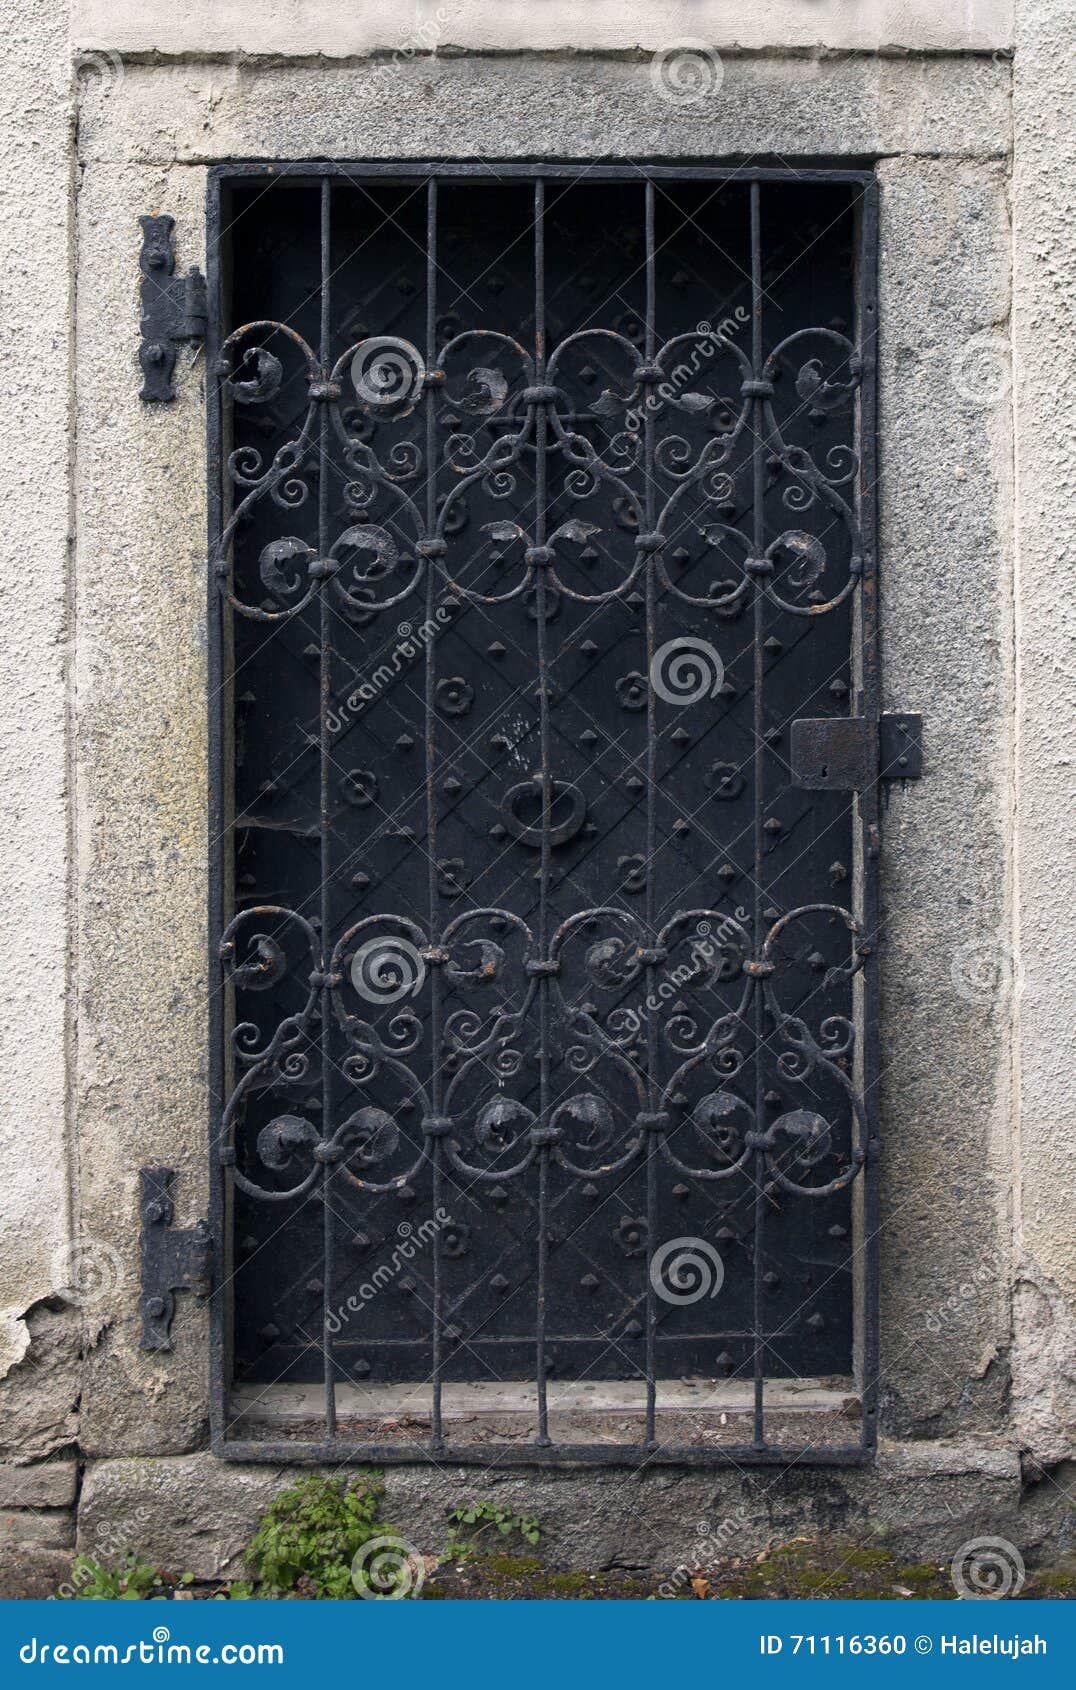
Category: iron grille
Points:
column 545, row 1041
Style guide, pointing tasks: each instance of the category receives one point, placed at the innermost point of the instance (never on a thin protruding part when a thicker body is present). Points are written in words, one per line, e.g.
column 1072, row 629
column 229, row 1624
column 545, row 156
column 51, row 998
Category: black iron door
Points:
column 544, row 510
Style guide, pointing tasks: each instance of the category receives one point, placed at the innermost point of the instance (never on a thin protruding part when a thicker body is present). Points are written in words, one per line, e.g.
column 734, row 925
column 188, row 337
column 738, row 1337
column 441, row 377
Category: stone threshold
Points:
column 258, row 1404
column 688, row 1412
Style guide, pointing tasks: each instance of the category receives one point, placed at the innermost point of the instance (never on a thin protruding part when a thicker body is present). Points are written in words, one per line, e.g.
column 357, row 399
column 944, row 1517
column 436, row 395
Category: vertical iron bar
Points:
column 651, row 826
column 328, row 1228
column 219, row 1347
column 540, row 427
column 435, row 1144
column 869, row 799
column 758, row 546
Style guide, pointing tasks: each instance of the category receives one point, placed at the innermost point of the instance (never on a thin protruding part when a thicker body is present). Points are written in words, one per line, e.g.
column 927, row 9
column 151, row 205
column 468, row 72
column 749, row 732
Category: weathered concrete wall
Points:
column 515, row 106
column 140, row 749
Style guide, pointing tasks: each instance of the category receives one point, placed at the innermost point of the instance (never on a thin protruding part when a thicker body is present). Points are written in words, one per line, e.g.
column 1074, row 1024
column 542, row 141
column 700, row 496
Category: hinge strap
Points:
column 172, row 1259
column 174, row 309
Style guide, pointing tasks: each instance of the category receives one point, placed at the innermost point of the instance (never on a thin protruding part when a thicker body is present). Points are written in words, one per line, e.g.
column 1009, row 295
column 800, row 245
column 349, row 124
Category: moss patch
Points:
column 1052, row 1581
column 832, row 1571
column 525, row 1577
column 803, row 1569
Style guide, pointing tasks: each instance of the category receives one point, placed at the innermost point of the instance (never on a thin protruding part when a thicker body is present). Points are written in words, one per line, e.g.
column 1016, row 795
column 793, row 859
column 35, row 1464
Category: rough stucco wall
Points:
column 140, row 753
column 35, row 267
column 1044, row 101
column 323, row 26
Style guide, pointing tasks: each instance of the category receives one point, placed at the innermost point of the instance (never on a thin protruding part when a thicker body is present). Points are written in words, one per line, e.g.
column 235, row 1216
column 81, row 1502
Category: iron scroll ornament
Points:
column 723, row 1122
column 364, row 560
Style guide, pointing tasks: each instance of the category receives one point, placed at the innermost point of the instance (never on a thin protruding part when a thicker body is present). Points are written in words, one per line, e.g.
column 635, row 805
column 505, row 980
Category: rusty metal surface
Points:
column 900, row 745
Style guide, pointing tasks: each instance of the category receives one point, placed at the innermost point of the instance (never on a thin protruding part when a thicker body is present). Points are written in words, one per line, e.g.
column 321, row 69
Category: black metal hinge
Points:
column 171, row 1260
column 174, row 309
column 848, row 753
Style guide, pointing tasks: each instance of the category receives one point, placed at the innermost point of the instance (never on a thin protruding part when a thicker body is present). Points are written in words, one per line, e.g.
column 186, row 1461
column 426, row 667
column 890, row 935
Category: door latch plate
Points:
column 847, row 753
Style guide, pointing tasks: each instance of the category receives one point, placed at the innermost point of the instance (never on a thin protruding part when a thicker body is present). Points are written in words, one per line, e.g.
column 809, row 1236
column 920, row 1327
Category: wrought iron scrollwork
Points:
column 720, row 1124
column 385, row 377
